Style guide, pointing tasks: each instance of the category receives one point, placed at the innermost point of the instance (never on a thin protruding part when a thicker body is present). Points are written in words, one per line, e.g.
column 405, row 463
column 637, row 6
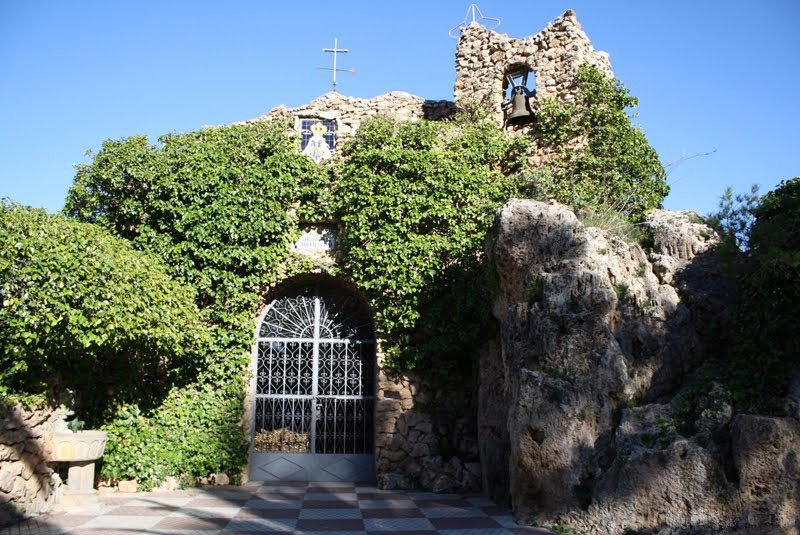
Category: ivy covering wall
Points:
column 416, row 201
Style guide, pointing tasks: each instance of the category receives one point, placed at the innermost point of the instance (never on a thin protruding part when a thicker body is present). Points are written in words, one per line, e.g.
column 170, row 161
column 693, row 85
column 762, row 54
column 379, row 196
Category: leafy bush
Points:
column 775, row 235
column 83, row 310
column 764, row 353
column 213, row 204
column 416, row 201
column 601, row 158
column 195, row 432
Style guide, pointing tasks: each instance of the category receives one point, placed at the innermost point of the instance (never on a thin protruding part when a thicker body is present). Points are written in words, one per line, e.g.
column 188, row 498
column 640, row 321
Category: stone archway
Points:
column 314, row 387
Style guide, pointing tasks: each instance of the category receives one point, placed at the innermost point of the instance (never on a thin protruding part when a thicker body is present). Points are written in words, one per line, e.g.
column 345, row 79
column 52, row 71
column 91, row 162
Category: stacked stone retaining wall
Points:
column 417, row 445
column 28, row 485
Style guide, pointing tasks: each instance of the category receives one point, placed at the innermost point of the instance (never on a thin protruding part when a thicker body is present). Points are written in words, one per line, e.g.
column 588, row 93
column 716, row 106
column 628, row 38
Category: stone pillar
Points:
column 80, row 477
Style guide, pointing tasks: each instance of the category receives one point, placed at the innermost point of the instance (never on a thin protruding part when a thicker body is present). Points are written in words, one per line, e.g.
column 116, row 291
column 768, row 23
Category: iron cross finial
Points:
column 336, row 51
column 474, row 14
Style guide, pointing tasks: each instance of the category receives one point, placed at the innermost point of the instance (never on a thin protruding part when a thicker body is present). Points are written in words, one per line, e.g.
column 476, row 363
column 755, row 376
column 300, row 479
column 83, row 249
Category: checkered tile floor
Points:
column 306, row 508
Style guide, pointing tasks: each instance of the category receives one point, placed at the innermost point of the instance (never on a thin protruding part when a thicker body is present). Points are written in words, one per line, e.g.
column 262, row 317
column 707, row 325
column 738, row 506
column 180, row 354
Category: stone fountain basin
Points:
column 77, row 447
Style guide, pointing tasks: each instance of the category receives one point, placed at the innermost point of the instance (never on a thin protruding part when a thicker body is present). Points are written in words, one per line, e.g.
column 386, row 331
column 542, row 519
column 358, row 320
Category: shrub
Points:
column 219, row 206
column 195, row 432
column 601, row 158
column 214, row 204
column 83, row 310
column 776, row 232
column 621, row 290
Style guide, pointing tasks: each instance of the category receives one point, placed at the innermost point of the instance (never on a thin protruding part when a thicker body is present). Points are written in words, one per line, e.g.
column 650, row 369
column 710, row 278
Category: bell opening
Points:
column 518, row 87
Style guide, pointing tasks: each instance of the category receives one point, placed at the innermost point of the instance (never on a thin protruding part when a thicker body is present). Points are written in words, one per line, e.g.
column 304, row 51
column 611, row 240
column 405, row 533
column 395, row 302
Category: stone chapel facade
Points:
column 393, row 438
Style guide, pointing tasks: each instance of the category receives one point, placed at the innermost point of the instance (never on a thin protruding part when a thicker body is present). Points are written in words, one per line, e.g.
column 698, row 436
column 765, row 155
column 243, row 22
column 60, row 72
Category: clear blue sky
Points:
column 721, row 75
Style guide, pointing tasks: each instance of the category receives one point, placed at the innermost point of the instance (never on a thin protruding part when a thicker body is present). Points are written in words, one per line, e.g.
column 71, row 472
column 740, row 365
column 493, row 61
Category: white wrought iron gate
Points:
column 314, row 389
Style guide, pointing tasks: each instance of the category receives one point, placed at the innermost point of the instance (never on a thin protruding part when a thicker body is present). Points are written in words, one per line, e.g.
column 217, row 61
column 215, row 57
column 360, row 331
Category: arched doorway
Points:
column 314, row 387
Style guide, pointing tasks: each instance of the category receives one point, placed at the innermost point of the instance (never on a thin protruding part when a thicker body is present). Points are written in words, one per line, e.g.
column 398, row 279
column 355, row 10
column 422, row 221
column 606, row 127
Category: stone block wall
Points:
column 484, row 57
column 417, row 445
column 350, row 112
column 27, row 484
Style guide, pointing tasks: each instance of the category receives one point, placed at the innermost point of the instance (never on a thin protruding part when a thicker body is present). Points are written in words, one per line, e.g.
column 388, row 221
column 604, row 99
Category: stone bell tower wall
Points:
column 484, row 57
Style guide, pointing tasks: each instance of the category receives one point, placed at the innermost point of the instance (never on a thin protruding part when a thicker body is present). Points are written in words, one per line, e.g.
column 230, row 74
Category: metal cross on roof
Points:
column 336, row 50
column 476, row 15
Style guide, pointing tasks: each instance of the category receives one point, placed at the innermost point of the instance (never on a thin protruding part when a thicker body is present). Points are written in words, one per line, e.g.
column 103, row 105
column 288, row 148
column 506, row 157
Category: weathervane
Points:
column 474, row 14
column 336, row 50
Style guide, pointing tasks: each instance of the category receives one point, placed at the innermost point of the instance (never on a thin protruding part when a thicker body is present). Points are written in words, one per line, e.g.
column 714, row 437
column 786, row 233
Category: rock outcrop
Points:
column 766, row 452
column 588, row 414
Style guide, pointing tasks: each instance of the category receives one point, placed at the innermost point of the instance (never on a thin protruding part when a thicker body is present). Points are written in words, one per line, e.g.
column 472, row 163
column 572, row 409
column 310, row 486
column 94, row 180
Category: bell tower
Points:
column 496, row 71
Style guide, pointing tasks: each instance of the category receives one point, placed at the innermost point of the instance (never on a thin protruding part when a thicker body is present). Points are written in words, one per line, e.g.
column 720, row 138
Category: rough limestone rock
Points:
column 128, row 486
column 683, row 256
column 680, row 236
column 219, row 479
column 663, row 476
column 587, row 329
column 766, row 452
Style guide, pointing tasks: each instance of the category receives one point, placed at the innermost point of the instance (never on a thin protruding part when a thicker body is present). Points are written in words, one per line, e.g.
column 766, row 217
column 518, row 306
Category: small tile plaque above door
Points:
column 318, row 241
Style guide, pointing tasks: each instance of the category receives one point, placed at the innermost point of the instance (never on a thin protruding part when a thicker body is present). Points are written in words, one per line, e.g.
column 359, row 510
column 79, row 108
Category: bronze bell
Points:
column 519, row 106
